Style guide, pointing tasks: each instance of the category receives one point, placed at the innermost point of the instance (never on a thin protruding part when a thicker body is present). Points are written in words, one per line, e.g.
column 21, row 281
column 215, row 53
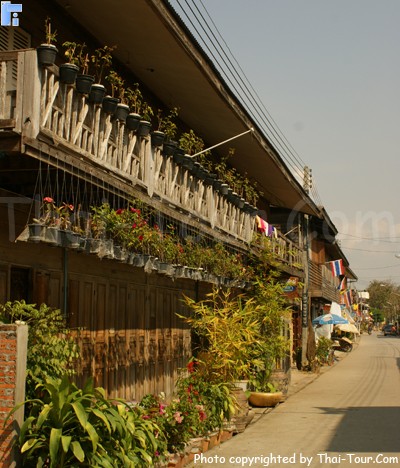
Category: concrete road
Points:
column 349, row 416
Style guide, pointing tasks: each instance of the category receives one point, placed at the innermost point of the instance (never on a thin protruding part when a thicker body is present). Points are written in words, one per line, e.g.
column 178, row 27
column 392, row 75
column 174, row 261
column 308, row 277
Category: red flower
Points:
column 48, row 200
column 140, row 238
column 134, row 226
column 134, row 210
column 119, row 211
column 191, row 367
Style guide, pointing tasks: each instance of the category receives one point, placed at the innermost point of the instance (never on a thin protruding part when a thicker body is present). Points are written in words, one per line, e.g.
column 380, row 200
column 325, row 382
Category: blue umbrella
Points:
column 329, row 319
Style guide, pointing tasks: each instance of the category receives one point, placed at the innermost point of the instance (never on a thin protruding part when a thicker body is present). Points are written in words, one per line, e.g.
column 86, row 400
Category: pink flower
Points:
column 48, row 200
column 161, row 409
column 178, row 417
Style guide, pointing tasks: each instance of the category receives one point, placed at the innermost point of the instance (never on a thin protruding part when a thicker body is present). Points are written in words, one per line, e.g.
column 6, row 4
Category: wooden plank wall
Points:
column 133, row 343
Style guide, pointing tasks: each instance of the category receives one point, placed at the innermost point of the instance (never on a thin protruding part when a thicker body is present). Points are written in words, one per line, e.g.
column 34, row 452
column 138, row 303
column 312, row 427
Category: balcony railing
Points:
column 322, row 283
column 36, row 105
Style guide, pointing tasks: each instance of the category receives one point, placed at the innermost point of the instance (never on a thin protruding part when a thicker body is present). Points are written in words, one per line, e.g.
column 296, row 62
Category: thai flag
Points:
column 342, row 283
column 337, row 267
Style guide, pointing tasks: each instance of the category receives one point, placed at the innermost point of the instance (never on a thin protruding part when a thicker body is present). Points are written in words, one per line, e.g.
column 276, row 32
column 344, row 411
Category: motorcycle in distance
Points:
column 370, row 328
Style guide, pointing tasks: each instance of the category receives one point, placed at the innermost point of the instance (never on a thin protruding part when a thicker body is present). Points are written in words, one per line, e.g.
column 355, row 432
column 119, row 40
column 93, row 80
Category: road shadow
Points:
column 366, row 429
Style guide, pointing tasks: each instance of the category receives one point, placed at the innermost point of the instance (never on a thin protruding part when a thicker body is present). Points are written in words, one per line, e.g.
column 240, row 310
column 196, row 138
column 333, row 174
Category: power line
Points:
column 243, row 88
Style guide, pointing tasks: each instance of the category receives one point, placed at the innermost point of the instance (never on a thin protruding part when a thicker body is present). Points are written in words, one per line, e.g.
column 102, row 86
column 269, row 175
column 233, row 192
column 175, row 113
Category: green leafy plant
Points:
column 102, row 61
column 50, row 34
column 52, row 350
column 69, row 426
column 191, row 143
column 134, row 98
column 117, row 86
column 73, row 51
column 322, row 353
column 167, row 124
column 228, row 332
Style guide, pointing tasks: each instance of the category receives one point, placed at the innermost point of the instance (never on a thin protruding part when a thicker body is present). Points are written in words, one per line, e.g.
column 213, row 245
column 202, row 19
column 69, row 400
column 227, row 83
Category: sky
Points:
column 328, row 74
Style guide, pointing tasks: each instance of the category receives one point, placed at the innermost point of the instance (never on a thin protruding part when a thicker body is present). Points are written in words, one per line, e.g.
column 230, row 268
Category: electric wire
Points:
column 267, row 124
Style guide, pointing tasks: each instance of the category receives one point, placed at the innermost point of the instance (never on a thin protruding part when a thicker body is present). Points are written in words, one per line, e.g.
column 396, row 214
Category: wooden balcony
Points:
column 55, row 123
column 322, row 283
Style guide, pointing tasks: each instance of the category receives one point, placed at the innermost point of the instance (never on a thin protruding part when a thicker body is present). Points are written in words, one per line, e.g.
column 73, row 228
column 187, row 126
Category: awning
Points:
column 348, row 327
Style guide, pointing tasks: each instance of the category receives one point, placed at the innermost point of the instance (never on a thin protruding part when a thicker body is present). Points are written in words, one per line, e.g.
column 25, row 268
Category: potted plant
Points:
column 69, row 70
column 118, row 89
column 101, row 60
column 190, row 144
column 84, row 80
column 47, row 52
column 169, row 127
column 146, row 111
column 110, row 101
column 134, row 98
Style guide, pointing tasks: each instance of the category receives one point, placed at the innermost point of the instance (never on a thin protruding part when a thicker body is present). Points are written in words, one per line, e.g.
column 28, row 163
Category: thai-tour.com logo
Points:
column 9, row 13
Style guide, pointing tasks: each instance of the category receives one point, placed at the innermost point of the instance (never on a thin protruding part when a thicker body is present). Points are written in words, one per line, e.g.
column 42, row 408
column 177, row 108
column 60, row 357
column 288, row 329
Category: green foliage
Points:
column 191, row 143
column 101, row 61
column 167, row 124
column 69, row 426
column 199, row 407
column 73, row 51
column 52, row 351
column 322, row 353
column 51, row 35
column 229, row 332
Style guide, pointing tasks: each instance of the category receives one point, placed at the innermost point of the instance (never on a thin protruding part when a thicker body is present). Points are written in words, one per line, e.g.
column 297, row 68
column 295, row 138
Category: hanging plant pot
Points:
column 224, row 189
column 144, row 128
column 157, row 138
column 169, row 147
column 109, row 104
column 52, row 236
column 84, row 83
column 133, row 121
column 120, row 253
column 97, row 93
column 196, row 168
column 246, row 207
column 210, row 179
column 69, row 239
column 122, row 112
column 178, row 155
column 253, row 210
column 37, row 232
column 68, row 73
column 47, row 54
column 187, row 162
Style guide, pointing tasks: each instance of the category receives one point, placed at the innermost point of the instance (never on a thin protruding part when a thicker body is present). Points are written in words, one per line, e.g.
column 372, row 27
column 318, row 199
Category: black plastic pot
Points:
column 122, row 112
column 178, row 155
column 144, row 128
column 133, row 121
column 46, row 54
column 157, row 138
column 187, row 162
column 68, row 73
column 97, row 93
column 169, row 147
column 84, row 83
column 109, row 104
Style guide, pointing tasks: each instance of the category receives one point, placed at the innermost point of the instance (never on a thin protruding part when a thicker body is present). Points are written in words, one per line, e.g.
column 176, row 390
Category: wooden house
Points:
column 55, row 141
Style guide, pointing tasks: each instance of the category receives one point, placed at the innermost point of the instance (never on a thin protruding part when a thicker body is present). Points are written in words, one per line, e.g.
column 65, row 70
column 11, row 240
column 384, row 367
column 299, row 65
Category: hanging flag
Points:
column 342, row 283
column 337, row 267
column 346, row 298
